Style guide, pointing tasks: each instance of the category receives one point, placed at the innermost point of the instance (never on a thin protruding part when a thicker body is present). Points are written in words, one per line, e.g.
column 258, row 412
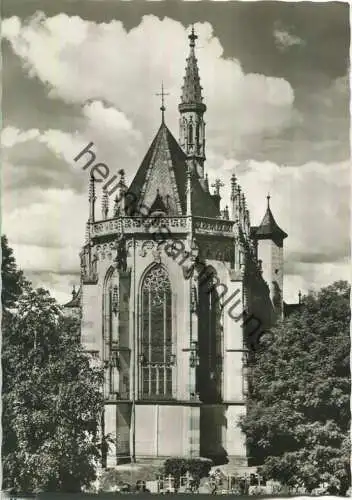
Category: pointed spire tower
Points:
column 192, row 109
column 269, row 239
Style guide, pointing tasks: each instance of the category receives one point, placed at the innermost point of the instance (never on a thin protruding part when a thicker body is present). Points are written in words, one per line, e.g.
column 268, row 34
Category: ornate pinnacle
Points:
column 206, row 182
column 105, row 204
column 233, row 186
column 217, row 185
column 121, row 173
column 92, row 199
column 92, row 188
column 192, row 37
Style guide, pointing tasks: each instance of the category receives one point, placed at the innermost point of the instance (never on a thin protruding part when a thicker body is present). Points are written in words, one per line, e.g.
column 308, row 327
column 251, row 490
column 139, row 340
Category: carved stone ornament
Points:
column 146, row 246
column 157, row 255
column 129, row 247
column 188, row 271
column 121, row 254
column 194, row 250
column 194, row 299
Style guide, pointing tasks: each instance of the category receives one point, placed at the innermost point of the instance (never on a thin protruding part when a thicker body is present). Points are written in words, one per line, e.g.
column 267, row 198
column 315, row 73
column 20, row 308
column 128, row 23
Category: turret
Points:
column 269, row 239
column 192, row 108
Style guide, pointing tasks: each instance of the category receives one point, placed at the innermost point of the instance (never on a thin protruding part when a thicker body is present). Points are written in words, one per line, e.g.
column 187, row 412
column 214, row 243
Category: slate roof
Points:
column 163, row 172
column 268, row 229
column 76, row 299
column 291, row 308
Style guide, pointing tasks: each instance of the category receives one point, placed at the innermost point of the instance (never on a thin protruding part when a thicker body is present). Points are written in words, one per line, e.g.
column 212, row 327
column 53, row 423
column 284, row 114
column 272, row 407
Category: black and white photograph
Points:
column 175, row 246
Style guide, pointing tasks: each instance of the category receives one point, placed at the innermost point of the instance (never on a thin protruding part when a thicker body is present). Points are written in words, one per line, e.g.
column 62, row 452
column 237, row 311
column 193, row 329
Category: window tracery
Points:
column 156, row 356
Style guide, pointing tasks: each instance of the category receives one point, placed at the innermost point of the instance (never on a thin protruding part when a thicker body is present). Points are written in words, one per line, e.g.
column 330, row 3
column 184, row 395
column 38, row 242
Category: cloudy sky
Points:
column 275, row 80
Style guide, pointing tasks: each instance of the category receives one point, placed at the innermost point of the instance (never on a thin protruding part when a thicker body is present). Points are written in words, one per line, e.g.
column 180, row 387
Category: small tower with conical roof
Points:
column 269, row 238
column 192, row 109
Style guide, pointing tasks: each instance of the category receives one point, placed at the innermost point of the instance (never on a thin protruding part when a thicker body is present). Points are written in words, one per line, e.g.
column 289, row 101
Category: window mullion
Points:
column 149, row 344
column 165, row 345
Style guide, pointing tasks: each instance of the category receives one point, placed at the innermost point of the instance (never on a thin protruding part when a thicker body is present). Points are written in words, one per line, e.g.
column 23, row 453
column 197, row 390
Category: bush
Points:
column 256, row 490
column 177, row 467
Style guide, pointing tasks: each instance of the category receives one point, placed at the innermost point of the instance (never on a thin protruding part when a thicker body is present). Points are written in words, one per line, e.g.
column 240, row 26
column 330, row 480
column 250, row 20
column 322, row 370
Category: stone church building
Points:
column 175, row 291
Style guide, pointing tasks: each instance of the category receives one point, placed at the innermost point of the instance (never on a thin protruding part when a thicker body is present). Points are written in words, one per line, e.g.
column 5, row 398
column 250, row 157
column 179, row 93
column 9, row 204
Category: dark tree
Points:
column 298, row 417
column 12, row 278
column 52, row 402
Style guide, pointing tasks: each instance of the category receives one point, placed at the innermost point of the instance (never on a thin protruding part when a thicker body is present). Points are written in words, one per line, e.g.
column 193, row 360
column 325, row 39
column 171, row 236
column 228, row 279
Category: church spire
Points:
column 268, row 228
column 192, row 90
column 192, row 108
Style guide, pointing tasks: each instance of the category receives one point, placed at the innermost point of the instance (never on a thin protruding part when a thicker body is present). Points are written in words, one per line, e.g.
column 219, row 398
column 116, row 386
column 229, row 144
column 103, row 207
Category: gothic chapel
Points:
column 167, row 281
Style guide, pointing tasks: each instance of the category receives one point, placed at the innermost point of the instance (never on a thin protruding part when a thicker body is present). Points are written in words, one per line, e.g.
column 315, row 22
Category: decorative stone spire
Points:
column 192, row 90
column 243, row 211
column 206, row 183
column 268, row 228
column 105, row 204
column 92, row 199
column 233, row 196
column 248, row 222
column 119, row 208
column 237, row 202
column 192, row 108
column 233, row 186
column 216, row 196
column 217, row 185
column 189, row 192
column 226, row 213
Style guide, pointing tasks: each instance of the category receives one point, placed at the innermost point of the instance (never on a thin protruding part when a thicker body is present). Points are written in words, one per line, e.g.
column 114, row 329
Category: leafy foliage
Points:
column 298, row 416
column 12, row 279
column 51, row 397
column 177, row 467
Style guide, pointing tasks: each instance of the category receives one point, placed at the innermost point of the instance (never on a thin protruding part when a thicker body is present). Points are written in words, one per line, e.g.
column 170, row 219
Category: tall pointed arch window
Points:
column 209, row 377
column 197, row 137
column 190, row 134
column 156, row 346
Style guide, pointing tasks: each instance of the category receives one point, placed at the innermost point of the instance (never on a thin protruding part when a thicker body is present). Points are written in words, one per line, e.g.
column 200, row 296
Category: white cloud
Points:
column 104, row 62
column 10, row 136
column 56, row 220
column 105, row 117
column 114, row 75
column 284, row 39
column 313, row 277
column 311, row 203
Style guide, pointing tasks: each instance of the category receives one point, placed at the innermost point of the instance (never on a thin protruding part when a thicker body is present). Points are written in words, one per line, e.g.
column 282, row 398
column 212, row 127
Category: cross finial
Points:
column 217, row 185
column 268, row 198
column 162, row 107
column 193, row 37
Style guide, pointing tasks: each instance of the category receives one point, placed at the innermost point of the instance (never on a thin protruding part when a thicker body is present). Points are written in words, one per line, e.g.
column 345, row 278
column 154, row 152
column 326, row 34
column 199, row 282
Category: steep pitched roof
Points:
column 76, row 299
column 164, row 171
column 268, row 229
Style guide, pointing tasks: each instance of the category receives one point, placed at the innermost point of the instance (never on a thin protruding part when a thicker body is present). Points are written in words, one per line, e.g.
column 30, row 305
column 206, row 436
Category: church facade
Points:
column 173, row 290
